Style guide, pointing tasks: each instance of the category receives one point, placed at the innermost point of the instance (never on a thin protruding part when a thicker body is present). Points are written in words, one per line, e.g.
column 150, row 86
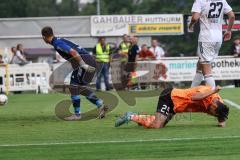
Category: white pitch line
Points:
column 124, row 141
column 232, row 103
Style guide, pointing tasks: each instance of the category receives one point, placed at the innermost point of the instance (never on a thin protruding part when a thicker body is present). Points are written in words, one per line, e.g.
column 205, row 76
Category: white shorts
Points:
column 208, row 51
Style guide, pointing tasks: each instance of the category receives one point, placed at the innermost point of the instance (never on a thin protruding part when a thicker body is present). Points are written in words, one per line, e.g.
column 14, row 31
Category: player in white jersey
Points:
column 210, row 15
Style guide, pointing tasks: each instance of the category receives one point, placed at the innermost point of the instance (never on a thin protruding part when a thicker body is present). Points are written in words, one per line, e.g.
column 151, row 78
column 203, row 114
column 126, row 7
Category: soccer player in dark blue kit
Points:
column 83, row 64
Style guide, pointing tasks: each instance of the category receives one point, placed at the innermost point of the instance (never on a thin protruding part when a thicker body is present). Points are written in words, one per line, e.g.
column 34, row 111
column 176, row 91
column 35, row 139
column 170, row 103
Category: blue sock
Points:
column 99, row 103
column 76, row 104
column 94, row 99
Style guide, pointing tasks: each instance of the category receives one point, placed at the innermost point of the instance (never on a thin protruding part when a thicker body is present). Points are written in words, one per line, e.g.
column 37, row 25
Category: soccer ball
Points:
column 3, row 99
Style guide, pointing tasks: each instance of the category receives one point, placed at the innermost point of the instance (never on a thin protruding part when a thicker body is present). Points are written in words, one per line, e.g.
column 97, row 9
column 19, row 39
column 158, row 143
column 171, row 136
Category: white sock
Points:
column 210, row 81
column 197, row 79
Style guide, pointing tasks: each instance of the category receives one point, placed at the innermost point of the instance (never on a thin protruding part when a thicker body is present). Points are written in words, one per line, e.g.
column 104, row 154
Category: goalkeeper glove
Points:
column 88, row 68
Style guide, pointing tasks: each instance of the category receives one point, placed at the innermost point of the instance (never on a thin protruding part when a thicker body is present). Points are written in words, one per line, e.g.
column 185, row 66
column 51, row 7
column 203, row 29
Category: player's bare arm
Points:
column 194, row 20
column 80, row 61
column 76, row 56
column 231, row 19
column 200, row 96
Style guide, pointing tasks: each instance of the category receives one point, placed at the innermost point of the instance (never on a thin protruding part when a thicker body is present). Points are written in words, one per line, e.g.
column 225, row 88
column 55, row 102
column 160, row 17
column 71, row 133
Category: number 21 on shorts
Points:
column 165, row 109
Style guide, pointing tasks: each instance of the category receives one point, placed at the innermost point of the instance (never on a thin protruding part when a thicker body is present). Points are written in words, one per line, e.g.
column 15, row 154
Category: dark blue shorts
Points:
column 81, row 77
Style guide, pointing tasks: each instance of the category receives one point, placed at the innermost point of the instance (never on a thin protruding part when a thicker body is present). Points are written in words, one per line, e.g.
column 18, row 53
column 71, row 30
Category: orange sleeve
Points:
column 204, row 89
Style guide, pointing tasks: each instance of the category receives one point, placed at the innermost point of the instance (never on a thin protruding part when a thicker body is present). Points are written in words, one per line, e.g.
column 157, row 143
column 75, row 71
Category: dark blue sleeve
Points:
column 136, row 49
column 63, row 47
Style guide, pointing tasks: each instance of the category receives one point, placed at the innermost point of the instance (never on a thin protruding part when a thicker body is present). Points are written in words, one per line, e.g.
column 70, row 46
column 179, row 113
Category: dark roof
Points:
column 36, row 52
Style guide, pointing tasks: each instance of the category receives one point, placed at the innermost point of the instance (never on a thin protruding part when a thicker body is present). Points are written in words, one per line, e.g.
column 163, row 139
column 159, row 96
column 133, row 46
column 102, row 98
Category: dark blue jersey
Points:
column 63, row 47
column 132, row 53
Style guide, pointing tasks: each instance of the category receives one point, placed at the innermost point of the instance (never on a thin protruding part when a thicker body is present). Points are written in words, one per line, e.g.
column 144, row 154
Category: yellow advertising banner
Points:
column 147, row 25
column 164, row 28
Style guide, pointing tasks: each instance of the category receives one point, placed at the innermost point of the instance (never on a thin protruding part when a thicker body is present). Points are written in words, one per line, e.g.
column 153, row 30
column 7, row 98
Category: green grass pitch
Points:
column 29, row 130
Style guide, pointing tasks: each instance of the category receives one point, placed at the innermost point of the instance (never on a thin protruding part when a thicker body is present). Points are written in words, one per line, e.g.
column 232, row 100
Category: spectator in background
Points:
column 157, row 51
column 20, row 50
column 124, row 48
column 133, row 50
column 18, row 57
column 145, row 54
column 1, row 59
column 131, row 65
column 235, row 51
column 14, row 51
column 102, row 52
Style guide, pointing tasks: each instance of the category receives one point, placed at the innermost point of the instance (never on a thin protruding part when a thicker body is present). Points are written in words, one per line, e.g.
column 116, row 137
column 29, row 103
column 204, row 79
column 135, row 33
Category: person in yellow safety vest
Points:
column 102, row 53
column 124, row 48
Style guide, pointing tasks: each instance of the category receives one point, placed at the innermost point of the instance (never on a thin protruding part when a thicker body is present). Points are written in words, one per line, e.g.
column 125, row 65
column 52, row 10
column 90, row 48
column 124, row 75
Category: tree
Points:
column 39, row 8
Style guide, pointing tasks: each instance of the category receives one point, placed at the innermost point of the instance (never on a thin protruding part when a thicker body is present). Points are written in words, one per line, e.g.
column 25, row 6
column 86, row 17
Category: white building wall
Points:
column 28, row 31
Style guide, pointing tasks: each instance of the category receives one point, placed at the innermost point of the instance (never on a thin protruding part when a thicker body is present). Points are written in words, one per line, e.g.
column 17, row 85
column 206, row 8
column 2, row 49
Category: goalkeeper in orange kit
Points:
column 171, row 101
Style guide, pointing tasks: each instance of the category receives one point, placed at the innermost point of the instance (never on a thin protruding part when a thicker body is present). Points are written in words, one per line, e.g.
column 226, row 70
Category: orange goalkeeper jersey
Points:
column 182, row 99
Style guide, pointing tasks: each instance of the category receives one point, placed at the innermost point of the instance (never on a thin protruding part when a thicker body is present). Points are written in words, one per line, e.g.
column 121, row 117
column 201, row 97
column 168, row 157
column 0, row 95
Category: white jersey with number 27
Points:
column 212, row 12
